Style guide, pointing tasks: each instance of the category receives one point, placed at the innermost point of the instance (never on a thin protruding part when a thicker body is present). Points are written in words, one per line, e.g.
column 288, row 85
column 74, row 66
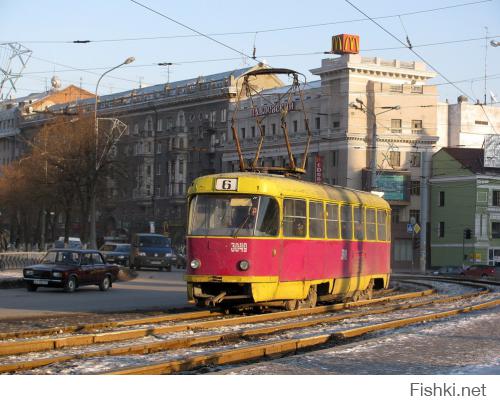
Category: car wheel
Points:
column 70, row 285
column 168, row 268
column 31, row 287
column 105, row 284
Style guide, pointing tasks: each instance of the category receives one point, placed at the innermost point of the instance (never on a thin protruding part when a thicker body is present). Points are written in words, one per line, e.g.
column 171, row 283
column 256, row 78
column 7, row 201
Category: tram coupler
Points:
column 213, row 301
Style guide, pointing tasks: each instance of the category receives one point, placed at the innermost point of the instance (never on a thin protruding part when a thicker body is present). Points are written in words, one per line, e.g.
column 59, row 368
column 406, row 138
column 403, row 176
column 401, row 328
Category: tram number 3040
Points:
column 239, row 247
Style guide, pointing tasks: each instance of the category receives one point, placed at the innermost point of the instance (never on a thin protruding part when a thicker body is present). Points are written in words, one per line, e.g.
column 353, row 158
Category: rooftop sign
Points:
column 345, row 43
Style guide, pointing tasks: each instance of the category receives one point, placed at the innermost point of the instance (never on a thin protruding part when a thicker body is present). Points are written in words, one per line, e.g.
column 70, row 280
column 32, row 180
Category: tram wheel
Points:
column 368, row 293
column 291, row 305
column 311, row 300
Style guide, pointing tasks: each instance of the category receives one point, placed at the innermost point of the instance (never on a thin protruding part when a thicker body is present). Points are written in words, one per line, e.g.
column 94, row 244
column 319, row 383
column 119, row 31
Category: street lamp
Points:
column 96, row 134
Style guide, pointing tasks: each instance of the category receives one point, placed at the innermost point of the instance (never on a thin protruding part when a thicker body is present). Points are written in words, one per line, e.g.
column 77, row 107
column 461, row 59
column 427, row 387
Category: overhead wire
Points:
column 409, row 13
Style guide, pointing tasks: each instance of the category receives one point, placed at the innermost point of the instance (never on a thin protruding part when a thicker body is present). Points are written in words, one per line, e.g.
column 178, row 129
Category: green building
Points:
column 464, row 209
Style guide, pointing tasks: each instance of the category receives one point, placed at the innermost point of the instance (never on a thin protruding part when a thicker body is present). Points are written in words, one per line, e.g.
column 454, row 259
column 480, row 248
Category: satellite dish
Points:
column 55, row 82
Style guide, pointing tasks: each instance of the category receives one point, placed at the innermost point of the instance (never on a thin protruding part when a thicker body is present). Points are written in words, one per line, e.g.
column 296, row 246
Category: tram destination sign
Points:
column 273, row 109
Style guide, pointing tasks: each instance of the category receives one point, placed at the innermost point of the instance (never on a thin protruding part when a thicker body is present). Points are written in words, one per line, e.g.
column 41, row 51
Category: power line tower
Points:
column 13, row 59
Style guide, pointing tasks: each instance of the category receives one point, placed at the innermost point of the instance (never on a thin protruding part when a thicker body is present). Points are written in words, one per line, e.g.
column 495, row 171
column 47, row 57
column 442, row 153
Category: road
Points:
column 150, row 290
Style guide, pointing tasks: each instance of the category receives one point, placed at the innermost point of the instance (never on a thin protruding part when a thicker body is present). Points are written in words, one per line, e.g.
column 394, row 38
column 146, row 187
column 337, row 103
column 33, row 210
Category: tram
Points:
column 272, row 240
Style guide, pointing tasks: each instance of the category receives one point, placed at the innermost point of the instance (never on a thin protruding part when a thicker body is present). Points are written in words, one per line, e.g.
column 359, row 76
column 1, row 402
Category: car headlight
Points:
column 142, row 254
column 121, row 257
column 57, row 274
column 168, row 254
column 29, row 272
column 244, row 265
column 195, row 264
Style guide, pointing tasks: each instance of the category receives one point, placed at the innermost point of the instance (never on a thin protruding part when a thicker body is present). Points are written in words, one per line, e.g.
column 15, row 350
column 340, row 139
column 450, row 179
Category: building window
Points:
column 394, row 158
column 223, row 115
column 148, row 170
column 441, row 230
column 273, row 129
column 495, row 230
column 415, row 187
column 158, row 148
column 181, row 166
column 336, row 124
column 396, row 126
column 496, row 198
column 441, row 198
column 395, row 216
column 159, row 125
column 252, row 130
column 295, row 126
column 243, row 134
column 417, row 89
column 318, row 122
column 415, row 159
column 335, row 157
column 416, row 215
column 158, row 169
column 416, row 127
column 396, row 88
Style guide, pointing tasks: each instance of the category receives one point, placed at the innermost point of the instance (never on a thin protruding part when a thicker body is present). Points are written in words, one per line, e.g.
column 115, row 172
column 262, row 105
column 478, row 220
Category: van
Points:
column 73, row 243
column 151, row 250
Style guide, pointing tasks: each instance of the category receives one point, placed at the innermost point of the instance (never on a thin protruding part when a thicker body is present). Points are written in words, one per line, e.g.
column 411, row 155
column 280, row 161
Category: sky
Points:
column 117, row 29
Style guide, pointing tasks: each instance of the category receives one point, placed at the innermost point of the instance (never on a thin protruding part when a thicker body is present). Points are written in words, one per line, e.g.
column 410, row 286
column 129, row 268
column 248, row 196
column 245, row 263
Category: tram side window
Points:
column 359, row 223
column 294, row 218
column 316, row 220
column 371, row 224
column 382, row 224
column 332, row 221
column 346, row 221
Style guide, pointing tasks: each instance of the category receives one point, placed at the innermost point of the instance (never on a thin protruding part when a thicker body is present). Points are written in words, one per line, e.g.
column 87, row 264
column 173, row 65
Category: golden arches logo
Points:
column 345, row 43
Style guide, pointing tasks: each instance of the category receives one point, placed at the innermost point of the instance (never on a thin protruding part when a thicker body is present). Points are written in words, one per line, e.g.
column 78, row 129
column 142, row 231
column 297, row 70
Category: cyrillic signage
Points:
column 318, row 169
column 273, row 109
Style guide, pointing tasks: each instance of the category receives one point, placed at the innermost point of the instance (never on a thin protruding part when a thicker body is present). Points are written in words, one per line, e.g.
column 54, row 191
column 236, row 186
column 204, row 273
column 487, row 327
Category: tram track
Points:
column 213, row 340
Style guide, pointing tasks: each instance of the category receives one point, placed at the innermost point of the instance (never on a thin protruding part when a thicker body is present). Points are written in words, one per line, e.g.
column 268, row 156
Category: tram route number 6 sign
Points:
column 226, row 184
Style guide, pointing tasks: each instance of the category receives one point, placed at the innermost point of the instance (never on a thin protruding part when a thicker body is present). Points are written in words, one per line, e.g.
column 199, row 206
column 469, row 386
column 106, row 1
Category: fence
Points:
column 17, row 260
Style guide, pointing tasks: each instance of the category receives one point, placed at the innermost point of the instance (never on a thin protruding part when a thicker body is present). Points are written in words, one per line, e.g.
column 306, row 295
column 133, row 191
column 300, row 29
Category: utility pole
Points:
column 424, row 209
column 373, row 156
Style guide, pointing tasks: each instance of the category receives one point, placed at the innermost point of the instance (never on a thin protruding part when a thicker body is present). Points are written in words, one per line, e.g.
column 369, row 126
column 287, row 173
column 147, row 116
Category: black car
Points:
column 70, row 269
column 118, row 253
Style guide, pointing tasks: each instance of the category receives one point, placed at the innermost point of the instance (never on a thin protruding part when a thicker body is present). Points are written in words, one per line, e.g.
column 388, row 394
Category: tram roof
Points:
column 279, row 185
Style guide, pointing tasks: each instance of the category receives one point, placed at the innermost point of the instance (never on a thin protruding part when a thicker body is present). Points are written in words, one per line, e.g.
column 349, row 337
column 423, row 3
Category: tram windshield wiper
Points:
column 242, row 224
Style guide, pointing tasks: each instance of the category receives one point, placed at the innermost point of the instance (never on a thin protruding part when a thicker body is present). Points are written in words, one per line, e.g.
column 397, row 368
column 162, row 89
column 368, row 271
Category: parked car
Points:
column 118, row 253
column 73, row 243
column 70, row 269
column 479, row 270
column 151, row 250
column 449, row 270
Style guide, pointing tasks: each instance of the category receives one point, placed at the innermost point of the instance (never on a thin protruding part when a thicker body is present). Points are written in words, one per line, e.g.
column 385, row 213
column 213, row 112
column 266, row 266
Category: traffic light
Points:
column 467, row 233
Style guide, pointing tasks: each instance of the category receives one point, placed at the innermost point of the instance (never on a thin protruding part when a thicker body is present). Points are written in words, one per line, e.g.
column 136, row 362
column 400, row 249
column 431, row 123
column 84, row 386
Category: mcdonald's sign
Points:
column 345, row 43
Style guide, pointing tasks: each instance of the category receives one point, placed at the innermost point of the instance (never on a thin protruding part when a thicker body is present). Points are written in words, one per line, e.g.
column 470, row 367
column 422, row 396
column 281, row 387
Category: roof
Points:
column 272, row 184
column 471, row 159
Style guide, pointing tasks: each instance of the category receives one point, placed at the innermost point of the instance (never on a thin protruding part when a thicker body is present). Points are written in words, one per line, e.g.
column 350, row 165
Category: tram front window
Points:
column 233, row 215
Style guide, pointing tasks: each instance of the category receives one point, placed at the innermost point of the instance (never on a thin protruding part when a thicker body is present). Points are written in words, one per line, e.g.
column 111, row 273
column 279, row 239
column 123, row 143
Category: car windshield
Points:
column 122, row 248
column 233, row 215
column 61, row 258
column 154, row 241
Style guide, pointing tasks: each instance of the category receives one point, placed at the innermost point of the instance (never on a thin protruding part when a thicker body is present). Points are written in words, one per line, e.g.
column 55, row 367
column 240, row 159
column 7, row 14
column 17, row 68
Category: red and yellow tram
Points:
column 268, row 239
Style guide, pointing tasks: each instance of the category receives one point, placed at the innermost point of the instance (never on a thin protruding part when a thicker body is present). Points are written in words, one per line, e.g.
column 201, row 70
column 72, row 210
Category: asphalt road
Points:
column 150, row 290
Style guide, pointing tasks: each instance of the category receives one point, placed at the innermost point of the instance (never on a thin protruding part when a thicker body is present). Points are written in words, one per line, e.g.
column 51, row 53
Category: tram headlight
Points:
column 195, row 264
column 244, row 265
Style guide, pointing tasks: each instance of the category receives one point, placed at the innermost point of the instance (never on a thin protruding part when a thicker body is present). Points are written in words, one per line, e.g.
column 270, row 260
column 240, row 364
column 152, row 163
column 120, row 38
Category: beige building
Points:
column 355, row 96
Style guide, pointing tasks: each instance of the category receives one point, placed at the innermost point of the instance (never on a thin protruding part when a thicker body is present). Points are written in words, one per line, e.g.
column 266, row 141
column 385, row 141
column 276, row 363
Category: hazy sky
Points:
column 43, row 27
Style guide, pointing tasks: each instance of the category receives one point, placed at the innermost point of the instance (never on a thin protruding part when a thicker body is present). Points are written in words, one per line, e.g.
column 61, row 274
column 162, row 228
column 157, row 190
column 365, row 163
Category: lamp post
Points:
column 93, row 190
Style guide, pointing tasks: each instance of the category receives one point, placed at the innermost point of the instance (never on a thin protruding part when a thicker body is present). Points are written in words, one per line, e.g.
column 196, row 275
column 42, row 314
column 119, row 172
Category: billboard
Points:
column 394, row 184
column 492, row 151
